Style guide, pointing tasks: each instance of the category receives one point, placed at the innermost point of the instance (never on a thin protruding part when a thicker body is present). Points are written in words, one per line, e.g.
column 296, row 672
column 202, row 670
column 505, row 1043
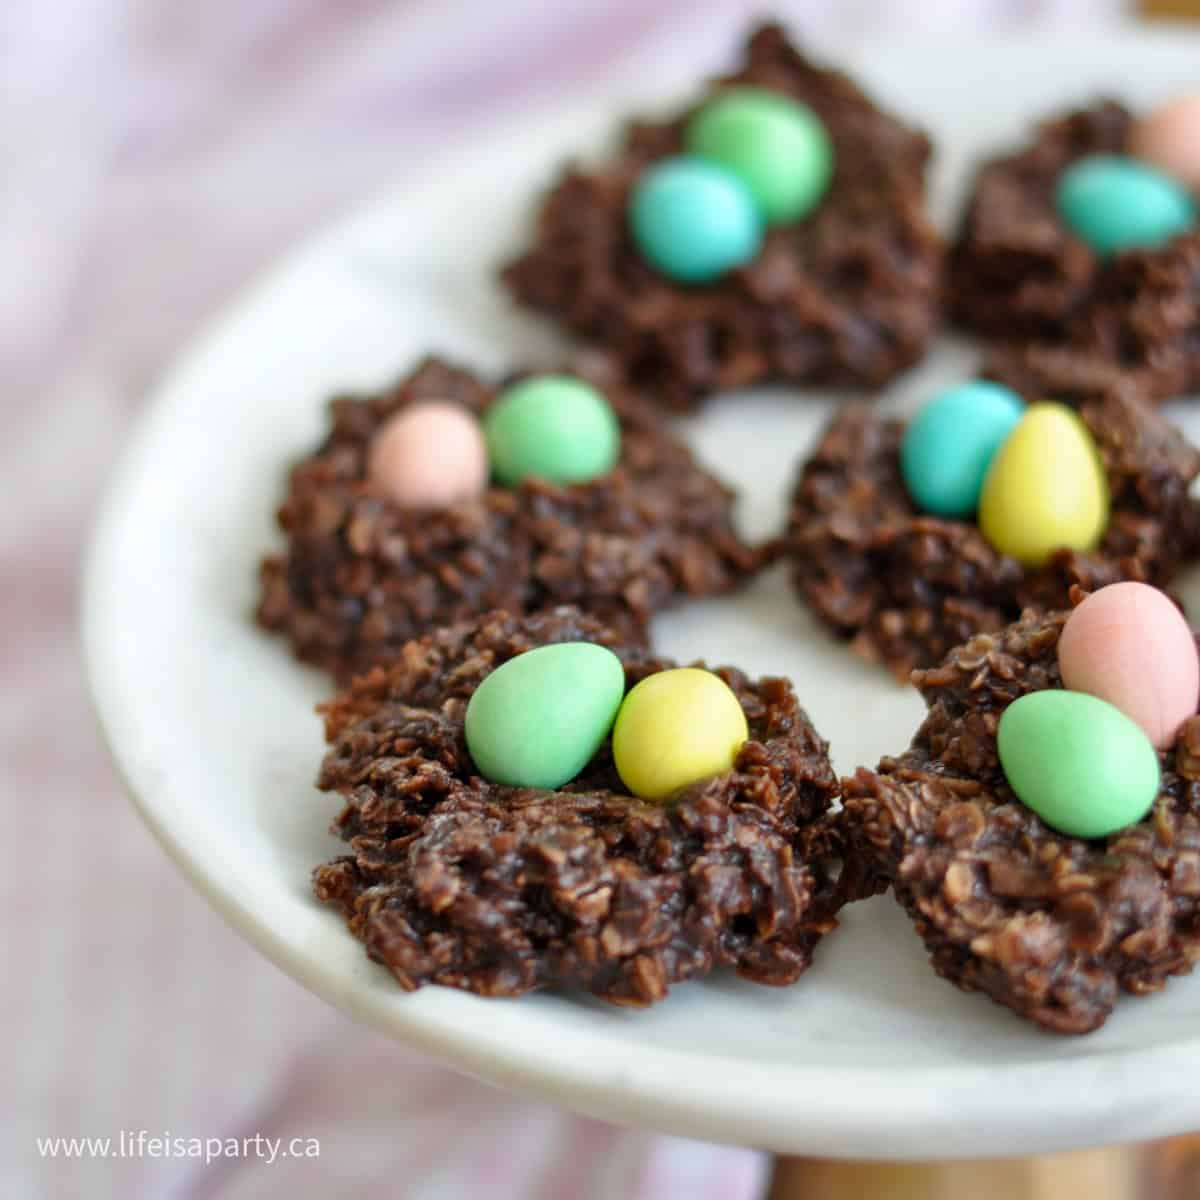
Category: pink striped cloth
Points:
column 155, row 154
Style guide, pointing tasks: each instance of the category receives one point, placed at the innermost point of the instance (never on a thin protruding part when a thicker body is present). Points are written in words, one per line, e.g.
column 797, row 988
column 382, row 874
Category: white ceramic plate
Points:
column 212, row 724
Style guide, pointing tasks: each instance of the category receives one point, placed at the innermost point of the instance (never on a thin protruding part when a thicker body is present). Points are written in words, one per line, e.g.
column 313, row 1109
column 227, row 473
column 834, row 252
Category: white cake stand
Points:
column 869, row 1056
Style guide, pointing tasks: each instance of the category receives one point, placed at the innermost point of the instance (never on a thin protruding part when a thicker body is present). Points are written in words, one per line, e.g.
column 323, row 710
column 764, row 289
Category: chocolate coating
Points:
column 1051, row 926
column 360, row 575
column 499, row 890
column 1017, row 274
column 905, row 587
column 848, row 295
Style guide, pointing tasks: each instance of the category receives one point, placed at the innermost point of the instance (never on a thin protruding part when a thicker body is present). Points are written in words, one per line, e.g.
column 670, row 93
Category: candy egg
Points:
column 1046, row 489
column 1169, row 138
column 1130, row 645
column 951, row 442
column 1083, row 766
column 551, row 427
column 694, row 220
column 776, row 145
column 676, row 728
column 537, row 720
column 1116, row 203
column 429, row 455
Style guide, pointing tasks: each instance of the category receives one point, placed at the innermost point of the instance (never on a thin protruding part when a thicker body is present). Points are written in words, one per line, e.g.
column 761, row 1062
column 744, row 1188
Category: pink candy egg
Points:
column 429, row 455
column 1169, row 138
column 1130, row 645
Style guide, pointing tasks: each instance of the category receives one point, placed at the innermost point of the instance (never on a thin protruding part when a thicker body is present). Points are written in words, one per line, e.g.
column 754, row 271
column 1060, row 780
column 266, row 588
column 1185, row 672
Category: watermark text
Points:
column 142, row 1143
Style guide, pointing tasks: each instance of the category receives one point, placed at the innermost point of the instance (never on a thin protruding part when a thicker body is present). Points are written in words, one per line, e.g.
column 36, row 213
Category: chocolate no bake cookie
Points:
column 847, row 295
column 501, row 890
column 905, row 587
column 1052, row 926
column 1017, row 274
column 361, row 575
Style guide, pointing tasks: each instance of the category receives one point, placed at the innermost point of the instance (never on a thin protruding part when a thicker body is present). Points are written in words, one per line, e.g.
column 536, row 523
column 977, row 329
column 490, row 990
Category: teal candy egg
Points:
column 552, row 427
column 778, row 146
column 694, row 220
column 1116, row 203
column 538, row 719
column 1082, row 765
column 950, row 444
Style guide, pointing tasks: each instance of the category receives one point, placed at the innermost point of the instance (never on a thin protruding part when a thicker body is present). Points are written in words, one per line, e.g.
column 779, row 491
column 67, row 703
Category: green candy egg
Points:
column 1082, row 765
column 778, row 146
column 551, row 427
column 1116, row 203
column 537, row 720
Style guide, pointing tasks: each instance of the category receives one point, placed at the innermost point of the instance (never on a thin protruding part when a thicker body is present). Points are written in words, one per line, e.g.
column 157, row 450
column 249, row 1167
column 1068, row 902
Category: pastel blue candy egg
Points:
column 951, row 442
column 1115, row 203
column 694, row 220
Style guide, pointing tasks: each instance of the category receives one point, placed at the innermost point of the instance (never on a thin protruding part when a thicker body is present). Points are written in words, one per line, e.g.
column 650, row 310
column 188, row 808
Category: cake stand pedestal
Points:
column 1168, row 1170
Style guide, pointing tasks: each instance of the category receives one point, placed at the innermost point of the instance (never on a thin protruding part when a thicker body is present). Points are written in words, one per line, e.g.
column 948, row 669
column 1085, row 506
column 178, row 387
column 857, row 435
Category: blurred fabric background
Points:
column 155, row 155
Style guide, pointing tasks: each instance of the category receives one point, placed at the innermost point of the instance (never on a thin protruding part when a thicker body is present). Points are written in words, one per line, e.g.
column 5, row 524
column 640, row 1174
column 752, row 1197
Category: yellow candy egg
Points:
column 676, row 728
column 1046, row 489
